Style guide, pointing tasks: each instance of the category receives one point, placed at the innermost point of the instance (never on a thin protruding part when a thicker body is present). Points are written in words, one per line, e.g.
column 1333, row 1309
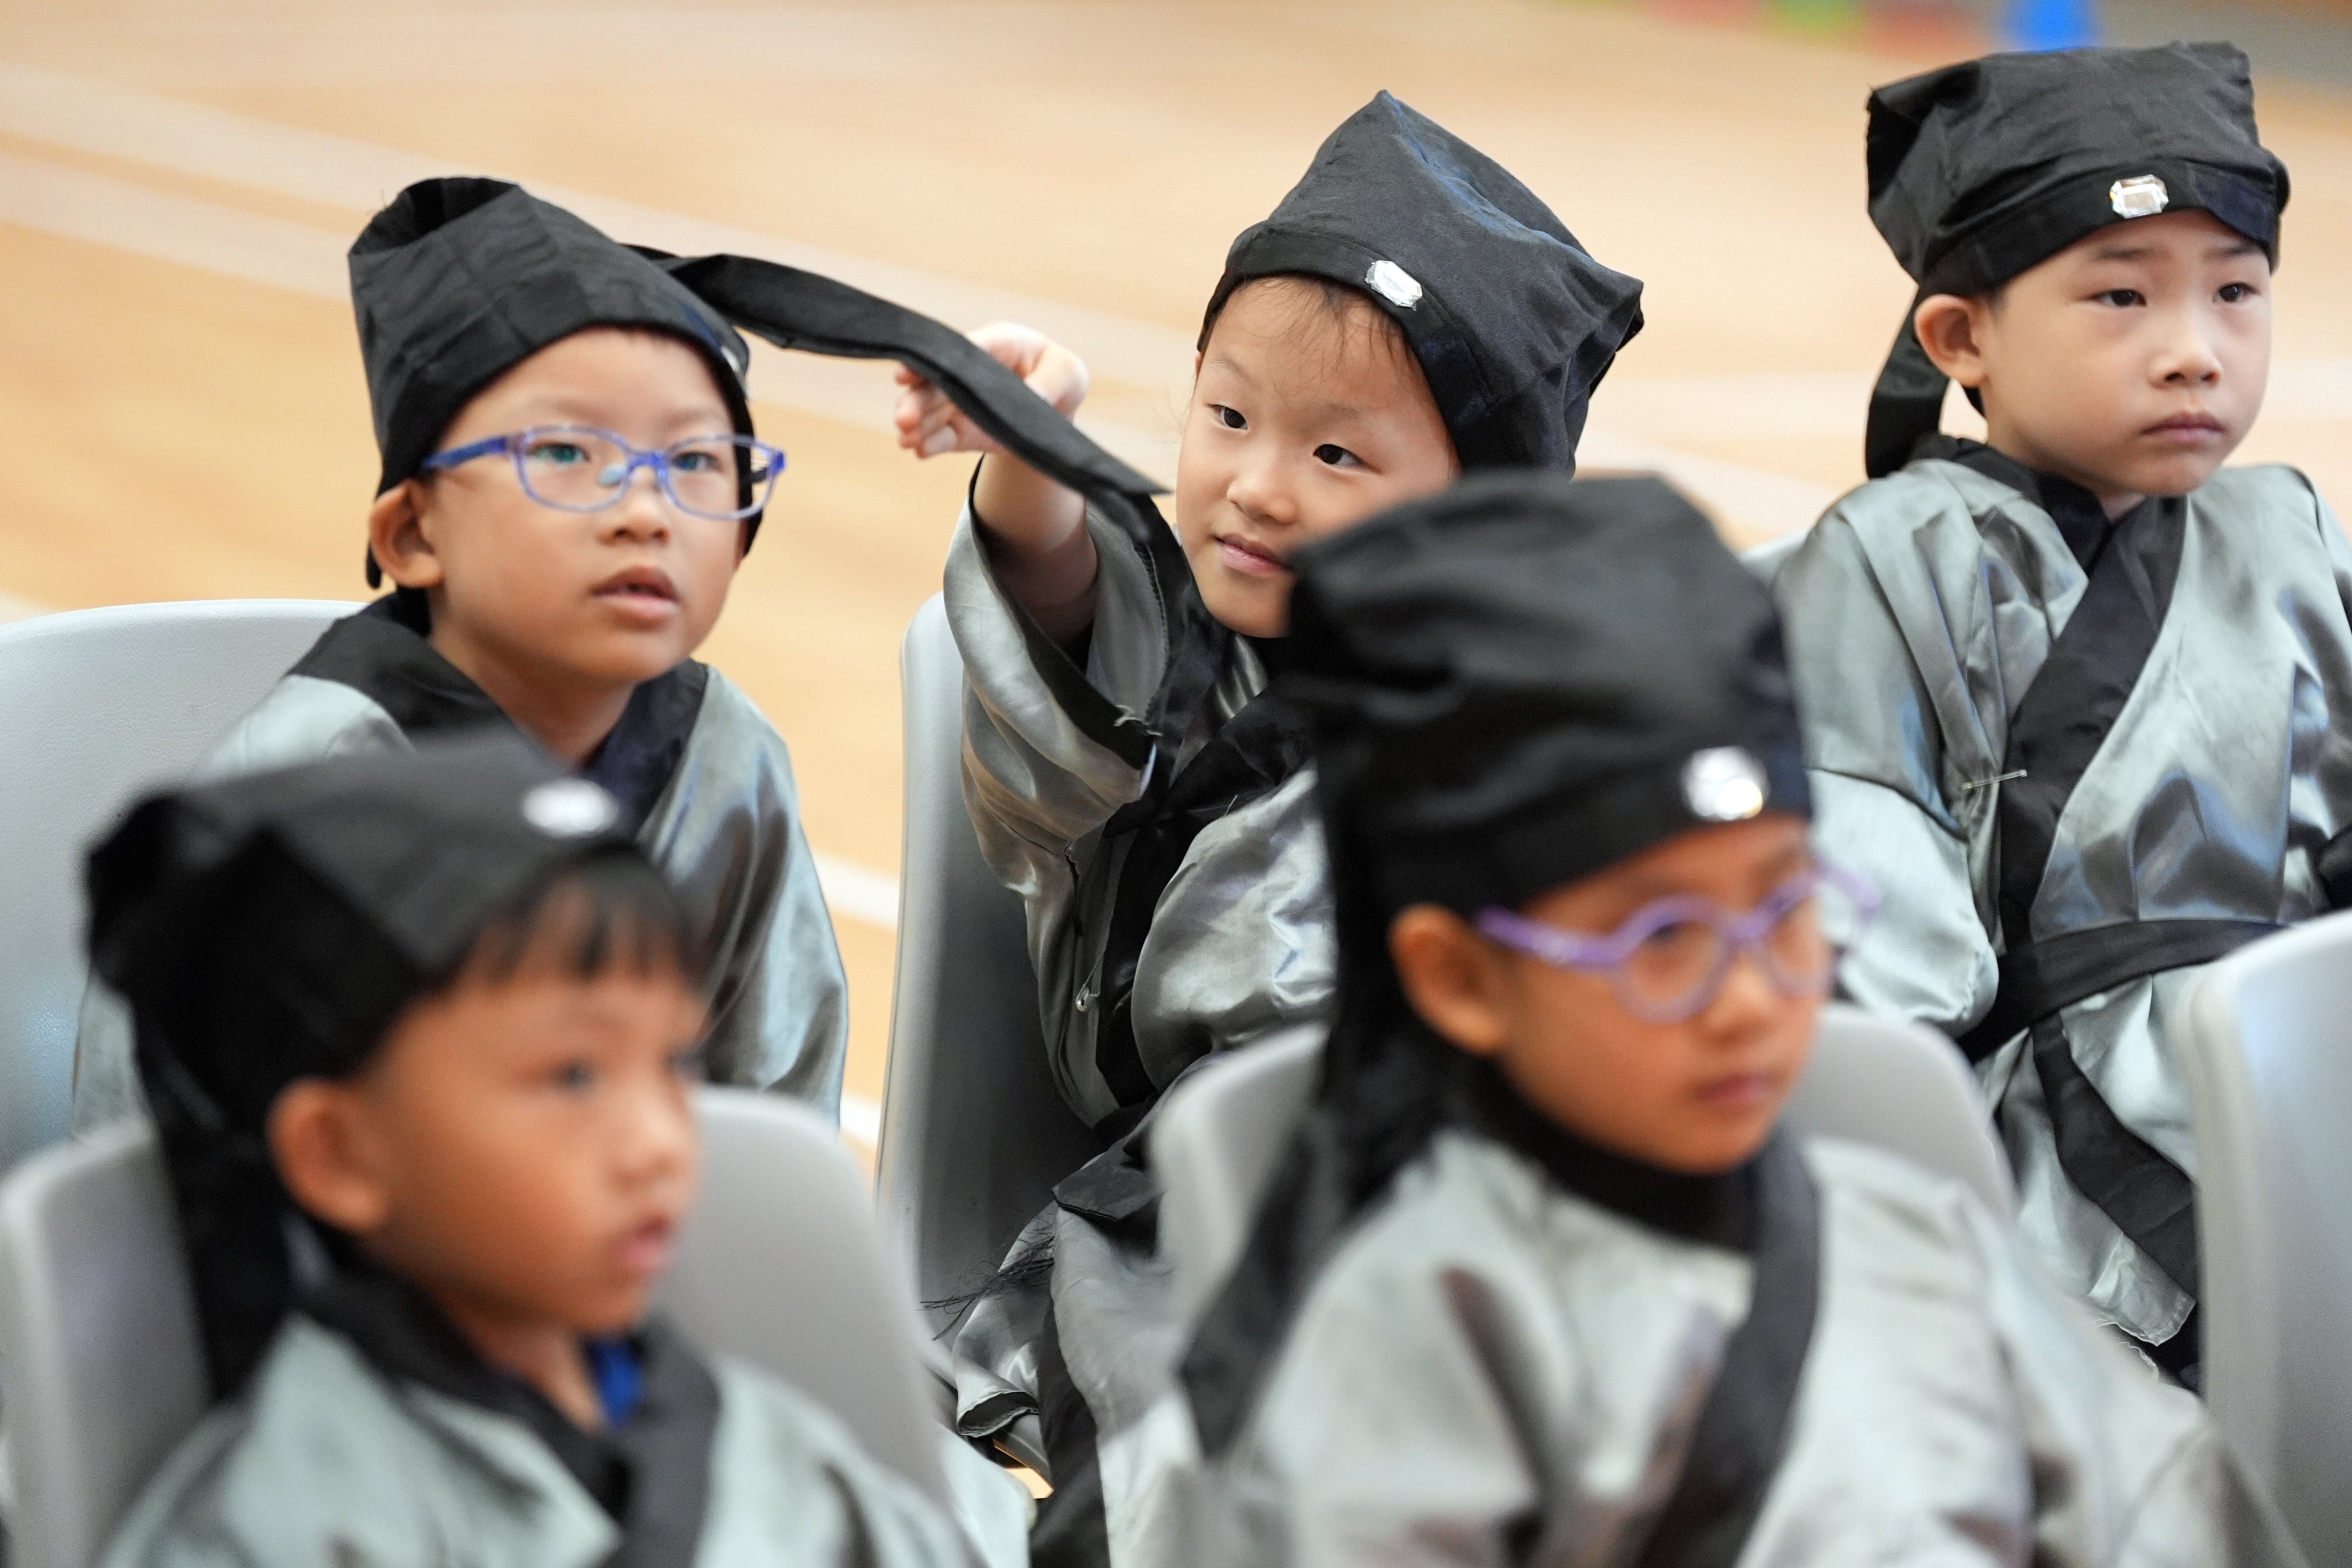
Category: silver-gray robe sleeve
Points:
column 1240, row 943
column 728, row 832
column 1491, row 1371
column 325, row 1462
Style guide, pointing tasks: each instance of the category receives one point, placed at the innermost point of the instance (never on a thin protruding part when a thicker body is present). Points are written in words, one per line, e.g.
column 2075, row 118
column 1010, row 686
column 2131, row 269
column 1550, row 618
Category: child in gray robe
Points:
column 1542, row 1280
column 420, row 1035
column 2077, row 697
column 1410, row 311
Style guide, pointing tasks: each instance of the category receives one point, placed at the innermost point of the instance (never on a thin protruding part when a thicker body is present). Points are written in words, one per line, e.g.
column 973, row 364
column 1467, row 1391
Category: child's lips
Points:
column 641, row 593
column 2186, row 430
column 646, row 1250
column 1739, row 1090
column 1251, row 560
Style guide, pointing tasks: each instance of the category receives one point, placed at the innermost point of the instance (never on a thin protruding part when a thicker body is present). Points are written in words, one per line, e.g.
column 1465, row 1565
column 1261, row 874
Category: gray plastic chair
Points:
column 780, row 1266
column 1872, row 1081
column 98, row 706
column 2265, row 1041
column 974, row 1129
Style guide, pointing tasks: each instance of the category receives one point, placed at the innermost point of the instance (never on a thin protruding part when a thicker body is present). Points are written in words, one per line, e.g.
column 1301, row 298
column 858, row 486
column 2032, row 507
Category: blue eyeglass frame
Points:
column 515, row 444
column 1750, row 932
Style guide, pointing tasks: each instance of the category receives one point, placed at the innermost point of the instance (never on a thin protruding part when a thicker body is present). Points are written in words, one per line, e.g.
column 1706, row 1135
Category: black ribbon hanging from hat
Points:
column 1906, row 405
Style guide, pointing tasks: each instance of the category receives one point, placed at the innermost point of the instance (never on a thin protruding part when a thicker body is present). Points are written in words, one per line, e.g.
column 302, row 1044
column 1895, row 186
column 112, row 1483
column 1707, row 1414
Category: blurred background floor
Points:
column 179, row 384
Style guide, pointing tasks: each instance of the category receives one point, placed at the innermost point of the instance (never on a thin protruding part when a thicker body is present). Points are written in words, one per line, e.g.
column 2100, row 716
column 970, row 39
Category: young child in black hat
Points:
column 419, row 1033
column 2077, row 697
column 1409, row 312
column 1542, row 1279
column 523, row 368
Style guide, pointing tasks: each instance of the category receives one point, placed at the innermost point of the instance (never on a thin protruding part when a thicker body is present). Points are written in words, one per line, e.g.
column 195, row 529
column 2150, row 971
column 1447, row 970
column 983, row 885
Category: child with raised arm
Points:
column 420, row 1034
column 1542, row 1279
column 2077, row 697
column 570, row 479
column 1409, row 312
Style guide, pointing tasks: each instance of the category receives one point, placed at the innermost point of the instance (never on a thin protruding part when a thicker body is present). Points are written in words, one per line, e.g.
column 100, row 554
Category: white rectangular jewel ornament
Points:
column 2143, row 196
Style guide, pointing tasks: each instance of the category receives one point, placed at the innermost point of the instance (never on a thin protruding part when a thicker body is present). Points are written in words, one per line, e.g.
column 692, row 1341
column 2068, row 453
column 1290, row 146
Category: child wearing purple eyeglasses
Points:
column 1542, row 1280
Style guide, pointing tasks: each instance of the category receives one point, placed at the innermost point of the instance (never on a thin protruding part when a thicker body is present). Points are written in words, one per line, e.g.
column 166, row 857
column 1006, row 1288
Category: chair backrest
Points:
column 2265, row 1041
column 974, row 1129
column 779, row 1266
column 1765, row 560
column 1872, row 1081
column 99, row 705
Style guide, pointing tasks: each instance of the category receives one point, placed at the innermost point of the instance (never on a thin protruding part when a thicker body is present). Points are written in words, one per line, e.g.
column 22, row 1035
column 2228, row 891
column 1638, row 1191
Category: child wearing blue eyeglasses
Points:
column 570, row 479
column 1542, row 1279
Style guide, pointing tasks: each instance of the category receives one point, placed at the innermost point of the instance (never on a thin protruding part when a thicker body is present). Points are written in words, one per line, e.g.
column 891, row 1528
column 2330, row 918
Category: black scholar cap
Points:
column 1981, row 170
column 1513, row 321
column 271, row 927
column 461, row 279
column 1526, row 678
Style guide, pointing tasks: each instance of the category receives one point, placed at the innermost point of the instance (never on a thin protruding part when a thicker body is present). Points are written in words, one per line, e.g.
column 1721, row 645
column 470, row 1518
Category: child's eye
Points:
column 2235, row 293
column 559, row 453
column 574, row 1078
column 695, row 462
column 1336, row 457
column 1231, row 418
column 2122, row 299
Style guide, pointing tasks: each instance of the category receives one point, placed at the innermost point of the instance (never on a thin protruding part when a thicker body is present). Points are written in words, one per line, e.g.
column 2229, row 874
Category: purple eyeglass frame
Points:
column 1739, row 933
column 514, row 443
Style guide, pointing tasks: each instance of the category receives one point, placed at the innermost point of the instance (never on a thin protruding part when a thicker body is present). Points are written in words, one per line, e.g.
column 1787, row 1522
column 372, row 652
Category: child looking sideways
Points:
column 570, row 478
column 1409, row 310
column 420, row 1034
column 2078, row 699
column 1542, row 1279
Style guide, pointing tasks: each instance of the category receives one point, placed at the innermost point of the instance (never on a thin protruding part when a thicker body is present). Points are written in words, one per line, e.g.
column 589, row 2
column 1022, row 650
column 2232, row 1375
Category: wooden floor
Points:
column 181, row 390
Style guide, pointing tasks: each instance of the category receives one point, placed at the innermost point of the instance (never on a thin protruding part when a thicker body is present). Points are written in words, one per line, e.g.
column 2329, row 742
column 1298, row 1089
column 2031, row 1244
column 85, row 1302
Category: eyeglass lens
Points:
column 581, row 470
column 1678, row 963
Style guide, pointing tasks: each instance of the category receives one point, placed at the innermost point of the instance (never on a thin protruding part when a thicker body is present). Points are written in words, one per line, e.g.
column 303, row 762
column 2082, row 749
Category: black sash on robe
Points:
column 1767, row 1208
column 651, row 1473
column 2053, row 736
column 382, row 652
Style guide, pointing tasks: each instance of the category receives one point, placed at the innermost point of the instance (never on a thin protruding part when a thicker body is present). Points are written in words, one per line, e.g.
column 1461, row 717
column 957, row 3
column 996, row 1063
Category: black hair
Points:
column 1341, row 302
column 252, row 1251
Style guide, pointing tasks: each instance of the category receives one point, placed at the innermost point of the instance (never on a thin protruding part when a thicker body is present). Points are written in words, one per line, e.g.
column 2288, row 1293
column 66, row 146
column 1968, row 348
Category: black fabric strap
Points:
column 1906, row 406
column 383, row 653
column 2042, row 978
column 652, row 1474
column 1246, row 760
column 2335, row 870
column 2150, row 1199
column 1743, row 1428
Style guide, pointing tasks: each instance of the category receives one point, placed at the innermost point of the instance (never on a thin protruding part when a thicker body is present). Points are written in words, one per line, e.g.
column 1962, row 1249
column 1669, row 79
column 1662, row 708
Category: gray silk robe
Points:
column 1492, row 1369
column 712, row 783
column 1918, row 614
column 1239, row 942
column 328, row 1462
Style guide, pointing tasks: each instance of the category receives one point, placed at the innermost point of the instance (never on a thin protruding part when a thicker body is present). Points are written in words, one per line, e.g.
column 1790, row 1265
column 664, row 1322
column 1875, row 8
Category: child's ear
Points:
column 396, row 536
column 1453, row 977
column 319, row 1142
column 1952, row 329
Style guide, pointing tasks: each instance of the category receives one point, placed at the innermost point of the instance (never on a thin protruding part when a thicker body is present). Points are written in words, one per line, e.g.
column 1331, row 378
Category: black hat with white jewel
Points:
column 1981, row 170
column 1513, row 321
column 1528, row 678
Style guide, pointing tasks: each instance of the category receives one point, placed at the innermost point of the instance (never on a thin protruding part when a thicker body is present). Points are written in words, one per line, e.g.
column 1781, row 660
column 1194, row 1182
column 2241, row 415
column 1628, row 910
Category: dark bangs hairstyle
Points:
column 253, row 1252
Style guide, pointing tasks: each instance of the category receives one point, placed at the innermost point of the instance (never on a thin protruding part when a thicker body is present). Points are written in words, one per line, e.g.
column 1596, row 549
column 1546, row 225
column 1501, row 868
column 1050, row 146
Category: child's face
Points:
column 522, row 1149
column 600, row 599
column 1303, row 421
column 1698, row 1095
column 2132, row 362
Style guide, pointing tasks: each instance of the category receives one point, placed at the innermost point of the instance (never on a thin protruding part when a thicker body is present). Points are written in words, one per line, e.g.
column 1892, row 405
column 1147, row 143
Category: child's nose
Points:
column 1262, row 491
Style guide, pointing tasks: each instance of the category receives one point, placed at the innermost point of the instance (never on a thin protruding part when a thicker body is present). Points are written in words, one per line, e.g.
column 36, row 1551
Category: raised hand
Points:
column 929, row 426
